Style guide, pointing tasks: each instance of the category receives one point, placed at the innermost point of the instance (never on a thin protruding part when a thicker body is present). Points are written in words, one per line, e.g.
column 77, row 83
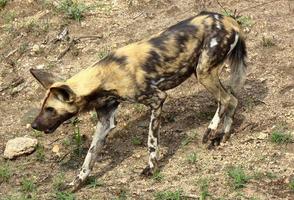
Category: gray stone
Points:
column 19, row 146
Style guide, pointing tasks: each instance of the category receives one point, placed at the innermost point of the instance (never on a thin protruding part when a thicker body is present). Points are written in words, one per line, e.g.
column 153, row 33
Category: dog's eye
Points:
column 49, row 109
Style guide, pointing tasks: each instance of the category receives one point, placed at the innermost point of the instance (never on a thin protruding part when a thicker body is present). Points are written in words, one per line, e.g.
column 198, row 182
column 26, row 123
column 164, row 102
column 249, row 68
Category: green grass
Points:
column 40, row 153
column 122, row 195
column 169, row 195
column 192, row 158
column 203, row 186
column 157, row 176
column 280, row 136
column 9, row 16
column 103, row 52
column 5, row 173
column 136, row 141
column 77, row 139
column 3, row 3
column 27, row 185
column 267, row 42
column 65, row 196
column 73, row 9
column 238, row 177
column 291, row 184
column 244, row 21
column 188, row 139
column 92, row 182
column 58, row 182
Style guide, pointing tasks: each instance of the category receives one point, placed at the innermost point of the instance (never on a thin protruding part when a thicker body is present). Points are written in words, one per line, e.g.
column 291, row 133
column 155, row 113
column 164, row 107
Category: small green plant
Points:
column 22, row 49
column 291, row 184
column 238, row 177
column 157, row 176
column 92, row 182
column 203, row 186
column 186, row 141
column 37, row 134
column 169, row 195
column 244, row 21
column 9, row 16
column 136, row 141
column 58, row 182
column 65, row 196
column 3, row 3
column 40, row 153
column 66, row 142
column 103, row 52
column 73, row 9
column 122, row 195
column 5, row 173
column 77, row 140
column 192, row 158
column 267, row 42
column 27, row 185
column 280, row 136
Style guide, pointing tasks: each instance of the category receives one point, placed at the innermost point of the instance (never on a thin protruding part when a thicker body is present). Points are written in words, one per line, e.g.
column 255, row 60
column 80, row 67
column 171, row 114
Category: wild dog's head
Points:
column 58, row 105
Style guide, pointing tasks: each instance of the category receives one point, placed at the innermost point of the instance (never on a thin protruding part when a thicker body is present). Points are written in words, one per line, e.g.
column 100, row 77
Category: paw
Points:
column 75, row 184
column 215, row 140
column 148, row 171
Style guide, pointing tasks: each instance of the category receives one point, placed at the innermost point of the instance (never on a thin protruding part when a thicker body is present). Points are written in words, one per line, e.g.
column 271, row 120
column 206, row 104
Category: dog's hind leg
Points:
column 208, row 75
column 155, row 101
column 106, row 122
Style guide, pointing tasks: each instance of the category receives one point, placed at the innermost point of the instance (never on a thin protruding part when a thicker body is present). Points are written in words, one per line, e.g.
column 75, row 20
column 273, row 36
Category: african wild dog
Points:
column 141, row 72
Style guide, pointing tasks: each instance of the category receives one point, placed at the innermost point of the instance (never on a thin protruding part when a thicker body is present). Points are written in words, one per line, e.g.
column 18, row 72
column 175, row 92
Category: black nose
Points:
column 34, row 125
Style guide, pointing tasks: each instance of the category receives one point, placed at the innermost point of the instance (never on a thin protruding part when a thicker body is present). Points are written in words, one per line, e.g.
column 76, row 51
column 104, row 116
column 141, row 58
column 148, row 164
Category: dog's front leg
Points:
column 155, row 101
column 106, row 122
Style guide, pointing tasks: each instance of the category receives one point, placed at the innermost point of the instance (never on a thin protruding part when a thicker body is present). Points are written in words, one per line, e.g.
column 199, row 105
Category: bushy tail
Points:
column 237, row 59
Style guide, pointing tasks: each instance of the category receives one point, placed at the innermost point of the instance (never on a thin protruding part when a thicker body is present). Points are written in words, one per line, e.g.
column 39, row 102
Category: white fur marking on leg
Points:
column 216, row 16
column 213, row 42
column 215, row 121
column 234, row 44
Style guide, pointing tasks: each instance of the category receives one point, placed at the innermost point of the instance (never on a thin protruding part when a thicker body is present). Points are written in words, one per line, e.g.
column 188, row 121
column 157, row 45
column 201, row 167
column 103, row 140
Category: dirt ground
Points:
column 27, row 31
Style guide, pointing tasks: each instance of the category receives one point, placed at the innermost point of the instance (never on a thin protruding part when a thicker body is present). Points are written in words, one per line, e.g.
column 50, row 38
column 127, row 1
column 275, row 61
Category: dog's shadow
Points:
column 179, row 116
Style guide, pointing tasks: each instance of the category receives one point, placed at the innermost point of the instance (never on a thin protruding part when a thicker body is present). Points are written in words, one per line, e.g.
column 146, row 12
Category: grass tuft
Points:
column 291, row 184
column 280, row 136
column 169, row 195
column 192, row 158
column 65, row 196
column 238, row 177
column 3, row 3
column 73, row 9
column 267, row 42
column 27, row 185
column 136, row 141
column 58, row 182
column 157, row 176
column 203, row 186
column 92, row 182
column 5, row 173
column 40, row 153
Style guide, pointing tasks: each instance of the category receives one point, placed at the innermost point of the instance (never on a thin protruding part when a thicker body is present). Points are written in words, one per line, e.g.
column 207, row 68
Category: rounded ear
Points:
column 63, row 93
column 45, row 78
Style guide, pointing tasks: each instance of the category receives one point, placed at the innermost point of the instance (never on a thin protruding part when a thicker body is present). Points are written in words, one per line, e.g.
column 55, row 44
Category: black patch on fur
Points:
column 211, row 14
column 151, row 149
column 119, row 60
column 152, row 61
column 152, row 141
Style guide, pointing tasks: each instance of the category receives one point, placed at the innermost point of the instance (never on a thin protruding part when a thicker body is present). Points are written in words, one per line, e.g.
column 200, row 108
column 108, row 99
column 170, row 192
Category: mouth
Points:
column 49, row 130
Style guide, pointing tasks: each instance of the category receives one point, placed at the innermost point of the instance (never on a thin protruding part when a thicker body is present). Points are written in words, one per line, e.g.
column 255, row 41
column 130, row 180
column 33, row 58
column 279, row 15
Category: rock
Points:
column 262, row 136
column 19, row 146
column 36, row 48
